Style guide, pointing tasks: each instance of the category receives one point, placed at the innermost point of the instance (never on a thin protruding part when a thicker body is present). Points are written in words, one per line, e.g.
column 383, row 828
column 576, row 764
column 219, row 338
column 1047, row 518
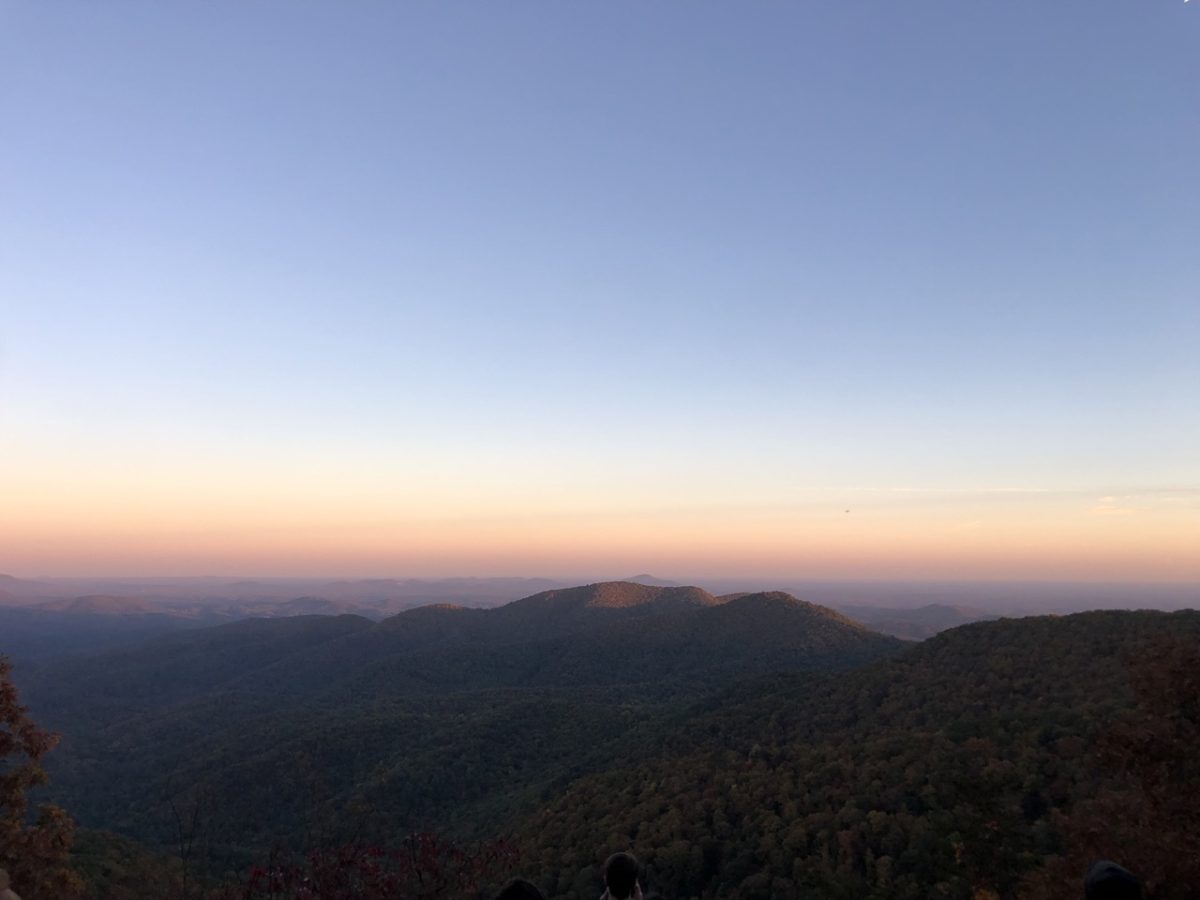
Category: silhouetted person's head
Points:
column 520, row 889
column 620, row 875
column 1107, row 881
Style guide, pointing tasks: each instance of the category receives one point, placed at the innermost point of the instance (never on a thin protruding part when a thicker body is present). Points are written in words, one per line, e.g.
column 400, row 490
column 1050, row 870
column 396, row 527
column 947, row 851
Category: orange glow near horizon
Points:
column 580, row 308
column 156, row 525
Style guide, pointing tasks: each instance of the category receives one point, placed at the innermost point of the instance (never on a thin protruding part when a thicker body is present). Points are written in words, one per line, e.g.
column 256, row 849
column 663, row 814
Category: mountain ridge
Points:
column 244, row 697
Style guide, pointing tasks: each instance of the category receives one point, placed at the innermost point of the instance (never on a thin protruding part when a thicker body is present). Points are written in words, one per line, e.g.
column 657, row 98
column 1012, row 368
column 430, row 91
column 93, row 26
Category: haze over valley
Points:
column 47, row 618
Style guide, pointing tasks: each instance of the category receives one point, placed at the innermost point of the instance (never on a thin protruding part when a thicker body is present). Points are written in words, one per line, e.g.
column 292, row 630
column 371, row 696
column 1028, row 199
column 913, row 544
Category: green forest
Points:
column 749, row 747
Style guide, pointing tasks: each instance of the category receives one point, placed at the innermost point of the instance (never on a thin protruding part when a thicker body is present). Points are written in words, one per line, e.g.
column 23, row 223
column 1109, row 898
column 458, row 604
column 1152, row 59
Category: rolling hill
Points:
column 409, row 714
column 968, row 766
column 749, row 745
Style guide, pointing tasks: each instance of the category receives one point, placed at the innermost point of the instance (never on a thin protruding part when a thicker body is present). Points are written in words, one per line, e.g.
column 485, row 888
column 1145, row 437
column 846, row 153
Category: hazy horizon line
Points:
column 596, row 579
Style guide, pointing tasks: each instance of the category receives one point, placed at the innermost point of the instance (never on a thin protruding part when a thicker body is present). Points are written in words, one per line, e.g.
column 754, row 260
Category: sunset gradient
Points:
column 890, row 291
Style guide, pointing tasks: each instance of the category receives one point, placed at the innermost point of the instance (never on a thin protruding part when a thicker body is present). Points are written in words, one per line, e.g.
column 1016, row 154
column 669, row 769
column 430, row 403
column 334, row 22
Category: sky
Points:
column 804, row 289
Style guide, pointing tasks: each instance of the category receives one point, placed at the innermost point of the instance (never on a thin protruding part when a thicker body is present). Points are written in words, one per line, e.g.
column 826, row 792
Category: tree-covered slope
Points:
column 936, row 773
column 30, row 635
column 439, row 715
column 73, row 694
column 977, row 764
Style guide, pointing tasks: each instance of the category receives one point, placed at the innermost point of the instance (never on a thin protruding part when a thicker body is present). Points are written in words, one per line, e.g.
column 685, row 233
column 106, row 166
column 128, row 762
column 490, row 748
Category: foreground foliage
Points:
column 1146, row 810
column 33, row 853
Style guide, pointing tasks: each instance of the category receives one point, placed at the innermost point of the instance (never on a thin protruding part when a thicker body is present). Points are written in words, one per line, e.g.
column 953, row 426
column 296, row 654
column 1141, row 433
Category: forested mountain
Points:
column 952, row 770
column 643, row 637
column 33, row 634
column 267, row 721
column 707, row 733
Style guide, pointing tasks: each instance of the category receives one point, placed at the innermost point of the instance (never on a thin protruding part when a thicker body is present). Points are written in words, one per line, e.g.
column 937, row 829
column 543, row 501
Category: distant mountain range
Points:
column 915, row 624
column 749, row 744
column 910, row 610
column 380, row 596
column 391, row 707
column 605, row 633
column 48, row 619
column 17, row 590
column 43, row 629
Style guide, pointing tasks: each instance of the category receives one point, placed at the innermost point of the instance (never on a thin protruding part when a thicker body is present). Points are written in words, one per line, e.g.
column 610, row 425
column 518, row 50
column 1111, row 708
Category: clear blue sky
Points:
column 642, row 256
